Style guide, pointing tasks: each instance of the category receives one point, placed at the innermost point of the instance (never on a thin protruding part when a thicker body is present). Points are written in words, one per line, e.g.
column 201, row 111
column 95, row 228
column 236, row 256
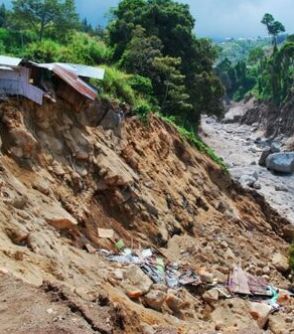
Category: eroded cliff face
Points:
column 276, row 122
column 64, row 174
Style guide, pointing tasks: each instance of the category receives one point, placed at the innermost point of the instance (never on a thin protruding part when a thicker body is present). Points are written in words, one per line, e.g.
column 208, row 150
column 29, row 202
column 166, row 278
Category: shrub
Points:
column 142, row 85
column 45, row 51
column 116, row 84
column 142, row 109
column 190, row 136
column 85, row 49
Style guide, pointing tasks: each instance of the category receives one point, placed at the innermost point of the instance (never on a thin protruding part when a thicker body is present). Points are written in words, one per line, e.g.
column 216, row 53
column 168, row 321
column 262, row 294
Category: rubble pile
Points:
column 111, row 219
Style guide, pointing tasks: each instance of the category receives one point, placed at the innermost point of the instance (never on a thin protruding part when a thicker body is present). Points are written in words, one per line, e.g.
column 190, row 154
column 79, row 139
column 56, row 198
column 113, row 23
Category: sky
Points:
column 214, row 18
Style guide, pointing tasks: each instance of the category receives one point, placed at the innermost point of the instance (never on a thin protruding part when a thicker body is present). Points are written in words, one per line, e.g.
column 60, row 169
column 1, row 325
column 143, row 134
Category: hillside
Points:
column 65, row 174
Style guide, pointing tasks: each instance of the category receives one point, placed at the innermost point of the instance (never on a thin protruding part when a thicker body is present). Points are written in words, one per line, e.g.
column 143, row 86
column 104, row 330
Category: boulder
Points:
column 263, row 157
column 154, row 299
column 281, row 188
column 248, row 180
column 260, row 312
column 275, row 147
column 234, row 313
column 280, row 262
column 288, row 232
column 25, row 142
column 56, row 216
column 281, row 162
column 136, row 280
column 211, row 295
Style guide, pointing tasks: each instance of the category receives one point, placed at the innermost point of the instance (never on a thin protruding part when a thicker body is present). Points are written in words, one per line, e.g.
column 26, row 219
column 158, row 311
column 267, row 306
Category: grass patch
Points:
column 190, row 136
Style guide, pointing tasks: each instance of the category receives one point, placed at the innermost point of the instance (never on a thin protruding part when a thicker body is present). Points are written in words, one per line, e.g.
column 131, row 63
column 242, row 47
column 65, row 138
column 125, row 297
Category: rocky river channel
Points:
column 241, row 147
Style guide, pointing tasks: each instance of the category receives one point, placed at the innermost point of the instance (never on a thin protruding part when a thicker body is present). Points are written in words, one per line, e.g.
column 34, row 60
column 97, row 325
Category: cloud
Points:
column 213, row 17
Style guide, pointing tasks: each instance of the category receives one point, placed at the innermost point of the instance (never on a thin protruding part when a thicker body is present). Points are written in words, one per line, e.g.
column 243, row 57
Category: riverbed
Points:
column 241, row 146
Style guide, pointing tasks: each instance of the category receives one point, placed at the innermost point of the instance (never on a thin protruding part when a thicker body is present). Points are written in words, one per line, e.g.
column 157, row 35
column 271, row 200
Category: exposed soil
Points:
column 63, row 175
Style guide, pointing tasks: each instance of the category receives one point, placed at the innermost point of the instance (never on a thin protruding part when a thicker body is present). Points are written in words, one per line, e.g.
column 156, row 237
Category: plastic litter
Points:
column 120, row 244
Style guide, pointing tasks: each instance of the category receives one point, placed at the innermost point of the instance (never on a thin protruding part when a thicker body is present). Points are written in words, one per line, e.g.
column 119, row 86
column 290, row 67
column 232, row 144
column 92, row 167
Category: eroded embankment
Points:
column 64, row 174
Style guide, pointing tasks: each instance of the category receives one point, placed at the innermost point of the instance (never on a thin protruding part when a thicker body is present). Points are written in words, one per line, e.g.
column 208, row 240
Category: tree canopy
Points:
column 43, row 15
column 168, row 28
column 274, row 27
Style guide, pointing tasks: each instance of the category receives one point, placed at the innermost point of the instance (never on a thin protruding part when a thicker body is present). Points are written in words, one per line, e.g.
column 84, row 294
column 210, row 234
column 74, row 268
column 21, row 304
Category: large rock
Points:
column 56, row 216
column 274, row 148
column 154, row 299
column 262, row 161
column 248, row 180
column 281, row 162
column 280, row 262
column 113, row 171
column 288, row 232
column 260, row 312
column 136, row 281
column 234, row 313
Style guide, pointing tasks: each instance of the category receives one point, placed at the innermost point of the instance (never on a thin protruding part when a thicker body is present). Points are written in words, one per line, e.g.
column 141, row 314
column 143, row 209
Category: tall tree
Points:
column 40, row 15
column 172, row 23
column 274, row 27
column 3, row 16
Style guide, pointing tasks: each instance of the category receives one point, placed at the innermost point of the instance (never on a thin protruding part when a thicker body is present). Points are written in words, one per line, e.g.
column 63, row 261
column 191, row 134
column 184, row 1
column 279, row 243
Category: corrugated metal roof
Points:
column 88, row 71
column 80, row 70
column 75, row 82
column 10, row 61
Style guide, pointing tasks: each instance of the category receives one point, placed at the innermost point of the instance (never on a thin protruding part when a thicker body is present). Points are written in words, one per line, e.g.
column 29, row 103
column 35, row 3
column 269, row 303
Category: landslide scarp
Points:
column 64, row 174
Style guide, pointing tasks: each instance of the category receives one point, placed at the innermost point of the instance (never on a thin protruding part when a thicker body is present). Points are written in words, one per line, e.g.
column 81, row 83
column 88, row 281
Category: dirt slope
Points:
column 63, row 175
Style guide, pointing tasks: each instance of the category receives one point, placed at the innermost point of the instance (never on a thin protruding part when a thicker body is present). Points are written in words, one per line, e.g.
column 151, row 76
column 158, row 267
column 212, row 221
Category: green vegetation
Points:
column 51, row 18
column 143, row 67
column 274, row 28
column 266, row 74
column 195, row 140
column 144, row 33
column 239, row 50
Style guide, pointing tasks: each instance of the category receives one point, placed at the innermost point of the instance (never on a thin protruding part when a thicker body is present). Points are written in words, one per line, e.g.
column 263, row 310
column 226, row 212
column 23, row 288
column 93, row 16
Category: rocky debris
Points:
column 281, row 188
column 113, row 171
column 234, row 314
column 155, row 299
column 25, row 145
column 250, row 180
column 262, row 160
column 156, row 193
column 56, row 216
column 260, row 312
column 135, row 282
column 281, row 262
column 281, row 162
column 288, row 232
column 211, row 295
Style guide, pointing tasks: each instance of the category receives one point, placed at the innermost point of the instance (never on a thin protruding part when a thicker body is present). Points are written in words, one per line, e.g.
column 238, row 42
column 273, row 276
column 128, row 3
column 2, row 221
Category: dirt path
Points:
column 240, row 147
